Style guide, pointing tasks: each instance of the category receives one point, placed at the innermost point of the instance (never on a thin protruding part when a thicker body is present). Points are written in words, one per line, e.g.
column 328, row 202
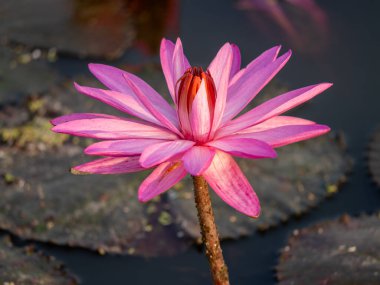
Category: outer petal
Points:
column 161, row 179
column 197, row 159
column 110, row 165
column 220, row 69
column 285, row 135
column 273, row 107
column 79, row 116
column 113, row 129
column 120, row 147
column 275, row 122
column 124, row 102
column 250, row 84
column 166, row 55
column 179, row 63
column 162, row 117
column 114, row 79
column 244, row 147
column 200, row 120
column 162, row 152
column 258, row 63
column 236, row 60
column 227, row 180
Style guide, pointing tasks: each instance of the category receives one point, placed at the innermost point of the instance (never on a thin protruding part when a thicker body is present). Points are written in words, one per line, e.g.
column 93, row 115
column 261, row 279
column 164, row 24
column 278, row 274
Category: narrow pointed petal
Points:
column 220, row 69
column 151, row 97
column 165, row 176
column 114, row 78
column 79, row 116
column 197, row 159
column 285, row 135
column 275, row 122
column 250, row 84
column 110, row 76
column 274, row 107
column 228, row 181
column 113, row 129
column 162, row 152
column 236, row 60
column 162, row 117
column 166, row 56
column 244, row 147
column 110, row 165
column 200, row 119
column 258, row 63
column 124, row 102
column 117, row 148
column 180, row 62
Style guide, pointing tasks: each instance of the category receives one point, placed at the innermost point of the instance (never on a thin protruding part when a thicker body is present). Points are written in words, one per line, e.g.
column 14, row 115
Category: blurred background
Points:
column 95, row 227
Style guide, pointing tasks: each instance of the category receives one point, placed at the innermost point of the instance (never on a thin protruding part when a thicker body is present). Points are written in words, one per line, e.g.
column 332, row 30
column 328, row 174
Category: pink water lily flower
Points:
column 200, row 134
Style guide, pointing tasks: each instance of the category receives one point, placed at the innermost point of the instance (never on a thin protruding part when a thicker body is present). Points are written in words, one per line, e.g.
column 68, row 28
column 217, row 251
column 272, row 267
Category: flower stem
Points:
column 210, row 236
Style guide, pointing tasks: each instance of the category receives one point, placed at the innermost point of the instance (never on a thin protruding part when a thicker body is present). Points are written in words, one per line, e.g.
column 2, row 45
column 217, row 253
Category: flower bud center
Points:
column 188, row 86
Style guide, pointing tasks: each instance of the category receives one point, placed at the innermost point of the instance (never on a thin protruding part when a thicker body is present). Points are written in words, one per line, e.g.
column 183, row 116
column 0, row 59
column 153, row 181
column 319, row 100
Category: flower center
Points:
column 187, row 89
column 188, row 86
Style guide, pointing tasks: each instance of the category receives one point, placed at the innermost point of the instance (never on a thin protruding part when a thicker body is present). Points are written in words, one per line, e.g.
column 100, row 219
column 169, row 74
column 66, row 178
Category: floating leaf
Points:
column 302, row 175
column 339, row 252
column 374, row 157
column 23, row 73
column 47, row 203
column 81, row 27
column 26, row 266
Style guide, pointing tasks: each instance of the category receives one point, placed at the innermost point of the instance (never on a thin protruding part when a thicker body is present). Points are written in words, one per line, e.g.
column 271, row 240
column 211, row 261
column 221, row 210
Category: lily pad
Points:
column 339, row 252
column 301, row 177
column 374, row 157
column 81, row 27
column 26, row 266
column 24, row 72
column 45, row 202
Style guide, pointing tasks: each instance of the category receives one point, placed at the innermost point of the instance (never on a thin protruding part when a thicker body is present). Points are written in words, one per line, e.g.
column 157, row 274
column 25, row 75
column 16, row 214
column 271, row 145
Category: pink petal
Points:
column 227, row 180
column 162, row 152
column 220, row 69
column 120, row 147
column 113, row 129
column 166, row 55
column 114, row 79
column 200, row 115
column 110, row 76
column 180, row 62
column 244, row 147
column 124, row 102
column 250, row 84
column 79, row 116
column 258, row 63
column 275, row 122
column 285, row 135
column 152, row 108
column 273, row 107
column 161, row 179
column 197, row 159
column 110, row 165
column 236, row 60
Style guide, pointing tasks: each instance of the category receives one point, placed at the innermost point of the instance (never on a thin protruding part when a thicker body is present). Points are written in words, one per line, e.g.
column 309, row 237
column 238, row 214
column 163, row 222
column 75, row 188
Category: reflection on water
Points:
column 151, row 20
column 302, row 23
column 88, row 28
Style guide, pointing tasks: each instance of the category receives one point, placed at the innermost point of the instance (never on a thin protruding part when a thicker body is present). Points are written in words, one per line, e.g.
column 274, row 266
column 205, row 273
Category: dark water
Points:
column 348, row 58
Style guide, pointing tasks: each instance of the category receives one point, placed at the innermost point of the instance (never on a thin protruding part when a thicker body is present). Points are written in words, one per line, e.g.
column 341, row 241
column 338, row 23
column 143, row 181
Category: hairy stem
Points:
column 210, row 236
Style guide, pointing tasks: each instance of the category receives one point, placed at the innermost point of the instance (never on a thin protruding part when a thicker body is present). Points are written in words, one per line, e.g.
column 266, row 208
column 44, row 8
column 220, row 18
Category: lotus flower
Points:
column 200, row 134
